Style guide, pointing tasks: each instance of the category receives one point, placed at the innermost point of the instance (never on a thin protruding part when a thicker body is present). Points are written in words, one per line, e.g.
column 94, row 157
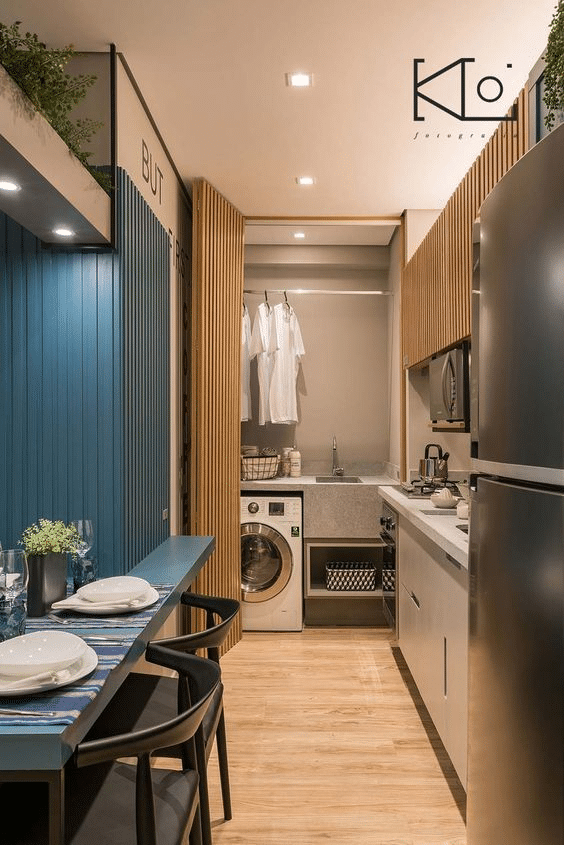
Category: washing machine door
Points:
column 266, row 562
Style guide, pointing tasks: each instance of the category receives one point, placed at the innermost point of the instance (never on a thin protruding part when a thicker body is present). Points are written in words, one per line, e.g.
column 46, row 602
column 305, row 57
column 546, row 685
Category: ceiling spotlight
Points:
column 305, row 180
column 299, row 80
column 63, row 232
column 299, row 235
column 8, row 185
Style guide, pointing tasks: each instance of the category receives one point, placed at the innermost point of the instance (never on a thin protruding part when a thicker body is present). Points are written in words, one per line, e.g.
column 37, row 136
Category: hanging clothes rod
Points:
column 292, row 291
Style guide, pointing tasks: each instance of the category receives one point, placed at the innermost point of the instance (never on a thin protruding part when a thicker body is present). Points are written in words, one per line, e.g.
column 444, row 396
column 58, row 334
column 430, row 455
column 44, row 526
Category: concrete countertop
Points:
column 298, row 484
column 440, row 527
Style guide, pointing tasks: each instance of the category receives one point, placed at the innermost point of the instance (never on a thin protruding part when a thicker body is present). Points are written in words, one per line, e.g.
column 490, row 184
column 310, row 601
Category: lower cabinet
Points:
column 343, row 582
column 433, row 634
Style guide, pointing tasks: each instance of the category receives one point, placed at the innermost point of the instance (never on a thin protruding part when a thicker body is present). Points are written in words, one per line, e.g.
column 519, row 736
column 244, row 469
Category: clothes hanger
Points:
column 286, row 303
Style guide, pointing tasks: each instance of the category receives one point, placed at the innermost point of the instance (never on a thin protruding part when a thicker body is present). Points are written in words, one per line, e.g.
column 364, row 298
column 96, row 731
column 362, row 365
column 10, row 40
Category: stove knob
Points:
column 383, row 521
column 253, row 507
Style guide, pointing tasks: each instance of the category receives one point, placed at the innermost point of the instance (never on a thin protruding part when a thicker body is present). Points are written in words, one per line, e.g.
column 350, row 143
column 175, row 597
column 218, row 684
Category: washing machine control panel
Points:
column 286, row 510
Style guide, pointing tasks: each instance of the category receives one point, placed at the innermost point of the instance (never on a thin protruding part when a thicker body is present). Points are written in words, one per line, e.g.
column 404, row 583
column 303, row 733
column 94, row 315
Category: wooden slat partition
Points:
column 217, row 302
column 437, row 281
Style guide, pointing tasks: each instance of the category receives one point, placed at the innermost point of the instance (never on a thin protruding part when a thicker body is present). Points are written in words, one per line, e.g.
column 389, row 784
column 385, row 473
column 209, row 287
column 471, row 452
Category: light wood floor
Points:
column 327, row 744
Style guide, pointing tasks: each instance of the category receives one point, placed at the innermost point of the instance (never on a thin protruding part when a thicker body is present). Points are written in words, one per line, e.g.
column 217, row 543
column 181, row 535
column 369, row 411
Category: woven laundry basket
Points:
column 351, row 575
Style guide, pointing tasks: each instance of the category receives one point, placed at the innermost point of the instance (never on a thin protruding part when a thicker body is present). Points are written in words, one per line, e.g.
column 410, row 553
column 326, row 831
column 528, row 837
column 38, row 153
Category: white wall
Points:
column 343, row 384
column 420, row 433
column 394, row 347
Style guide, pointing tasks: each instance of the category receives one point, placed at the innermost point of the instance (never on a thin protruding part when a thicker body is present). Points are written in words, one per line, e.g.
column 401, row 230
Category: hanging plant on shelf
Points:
column 554, row 68
column 40, row 73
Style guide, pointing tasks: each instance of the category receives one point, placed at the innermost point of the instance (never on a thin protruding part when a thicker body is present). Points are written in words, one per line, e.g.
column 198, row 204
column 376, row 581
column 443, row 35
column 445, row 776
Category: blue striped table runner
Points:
column 67, row 702
column 135, row 619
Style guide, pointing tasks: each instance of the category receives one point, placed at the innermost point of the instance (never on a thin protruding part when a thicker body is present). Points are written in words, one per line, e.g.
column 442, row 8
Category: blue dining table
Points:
column 39, row 732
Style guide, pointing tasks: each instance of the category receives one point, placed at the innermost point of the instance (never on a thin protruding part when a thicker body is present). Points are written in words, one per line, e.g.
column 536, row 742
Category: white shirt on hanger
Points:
column 290, row 348
column 246, row 366
column 263, row 345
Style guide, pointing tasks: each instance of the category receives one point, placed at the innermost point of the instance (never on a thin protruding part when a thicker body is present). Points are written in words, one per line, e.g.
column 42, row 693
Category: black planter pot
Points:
column 47, row 582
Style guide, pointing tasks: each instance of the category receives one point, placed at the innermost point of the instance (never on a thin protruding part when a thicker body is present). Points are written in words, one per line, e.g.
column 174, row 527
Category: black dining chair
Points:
column 210, row 639
column 143, row 698
column 110, row 802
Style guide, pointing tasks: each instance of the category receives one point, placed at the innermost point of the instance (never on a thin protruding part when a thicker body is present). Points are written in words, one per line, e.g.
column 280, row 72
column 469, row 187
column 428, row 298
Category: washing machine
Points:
column 271, row 562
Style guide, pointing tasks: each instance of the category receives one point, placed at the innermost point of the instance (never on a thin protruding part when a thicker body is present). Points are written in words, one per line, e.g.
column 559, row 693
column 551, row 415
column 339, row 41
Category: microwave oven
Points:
column 449, row 387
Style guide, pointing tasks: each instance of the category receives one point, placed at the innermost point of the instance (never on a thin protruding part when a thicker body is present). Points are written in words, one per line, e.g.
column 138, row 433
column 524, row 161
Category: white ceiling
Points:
column 213, row 75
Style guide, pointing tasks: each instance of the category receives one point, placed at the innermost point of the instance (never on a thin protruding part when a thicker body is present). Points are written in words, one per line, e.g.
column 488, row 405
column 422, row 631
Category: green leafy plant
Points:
column 48, row 536
column 40, row 73
column 554, row 68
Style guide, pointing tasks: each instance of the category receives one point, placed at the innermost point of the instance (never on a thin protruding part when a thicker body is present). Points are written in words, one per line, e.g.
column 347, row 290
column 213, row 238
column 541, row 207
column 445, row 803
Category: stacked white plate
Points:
column 121, row 594
column 43, row 660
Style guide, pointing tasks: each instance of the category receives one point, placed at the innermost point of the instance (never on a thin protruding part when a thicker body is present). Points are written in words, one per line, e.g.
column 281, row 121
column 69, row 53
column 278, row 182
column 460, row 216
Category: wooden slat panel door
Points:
column 436, row 282
column 217, row 302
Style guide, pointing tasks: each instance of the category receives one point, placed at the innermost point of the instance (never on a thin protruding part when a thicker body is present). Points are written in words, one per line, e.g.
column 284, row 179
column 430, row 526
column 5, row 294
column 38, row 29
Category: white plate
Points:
column 42, row 650
column 83, row 666
column 78, row 605
column 114, row 589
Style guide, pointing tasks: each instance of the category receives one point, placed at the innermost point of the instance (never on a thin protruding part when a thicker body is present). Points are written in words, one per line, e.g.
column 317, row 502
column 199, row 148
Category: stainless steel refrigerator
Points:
column 516, row 642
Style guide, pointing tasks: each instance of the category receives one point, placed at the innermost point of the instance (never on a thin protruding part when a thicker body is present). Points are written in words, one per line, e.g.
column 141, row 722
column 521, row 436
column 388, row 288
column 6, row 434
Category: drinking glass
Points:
column 13, row 573
column 84, row 570
column 12, row 618
column 84, row 528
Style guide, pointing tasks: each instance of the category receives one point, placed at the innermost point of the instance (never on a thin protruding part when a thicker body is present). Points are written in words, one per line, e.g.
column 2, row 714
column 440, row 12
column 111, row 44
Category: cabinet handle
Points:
column 414, row 599
column 445, row 664
column 453, row 561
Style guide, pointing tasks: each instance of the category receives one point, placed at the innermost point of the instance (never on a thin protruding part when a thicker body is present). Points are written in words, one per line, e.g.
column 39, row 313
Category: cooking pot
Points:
column 429, row 466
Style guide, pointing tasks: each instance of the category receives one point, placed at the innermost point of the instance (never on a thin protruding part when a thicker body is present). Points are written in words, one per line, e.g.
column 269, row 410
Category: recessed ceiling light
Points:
column 299, row 235
column 305, row 180
column 299, row 80
column 8, row 185
column 63, row 232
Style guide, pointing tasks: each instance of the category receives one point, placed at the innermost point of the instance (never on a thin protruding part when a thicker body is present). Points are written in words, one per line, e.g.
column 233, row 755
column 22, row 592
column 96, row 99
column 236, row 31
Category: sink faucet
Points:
column 337, row 470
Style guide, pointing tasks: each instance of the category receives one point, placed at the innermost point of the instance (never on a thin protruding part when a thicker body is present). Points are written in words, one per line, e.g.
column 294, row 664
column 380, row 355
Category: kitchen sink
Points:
column 338, row 479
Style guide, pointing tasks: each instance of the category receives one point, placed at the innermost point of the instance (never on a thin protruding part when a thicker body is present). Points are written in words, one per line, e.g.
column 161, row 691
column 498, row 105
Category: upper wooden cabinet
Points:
column 437, row 281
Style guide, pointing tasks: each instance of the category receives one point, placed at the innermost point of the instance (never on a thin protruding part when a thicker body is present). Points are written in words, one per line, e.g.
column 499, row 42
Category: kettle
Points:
column 428, row 466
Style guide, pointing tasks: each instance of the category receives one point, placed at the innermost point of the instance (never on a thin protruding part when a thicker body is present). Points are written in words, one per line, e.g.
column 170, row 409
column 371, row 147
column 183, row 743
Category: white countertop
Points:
column 440, row 527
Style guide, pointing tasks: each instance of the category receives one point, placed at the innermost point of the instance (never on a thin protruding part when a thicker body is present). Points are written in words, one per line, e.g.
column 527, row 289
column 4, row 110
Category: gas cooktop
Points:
column 420, row 489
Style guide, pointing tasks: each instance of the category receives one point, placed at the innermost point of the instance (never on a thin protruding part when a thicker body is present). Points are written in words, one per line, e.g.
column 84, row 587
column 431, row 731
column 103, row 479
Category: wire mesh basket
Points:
column 256, row 469
column 353, row 575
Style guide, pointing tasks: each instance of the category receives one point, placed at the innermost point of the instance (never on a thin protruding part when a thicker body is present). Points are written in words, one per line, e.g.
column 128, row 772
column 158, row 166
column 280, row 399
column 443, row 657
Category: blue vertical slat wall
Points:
column 143, row 248
column 84, row 385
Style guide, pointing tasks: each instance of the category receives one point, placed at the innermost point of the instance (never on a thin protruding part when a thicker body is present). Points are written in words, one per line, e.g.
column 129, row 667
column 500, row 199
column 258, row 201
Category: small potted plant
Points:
column 46, row 544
